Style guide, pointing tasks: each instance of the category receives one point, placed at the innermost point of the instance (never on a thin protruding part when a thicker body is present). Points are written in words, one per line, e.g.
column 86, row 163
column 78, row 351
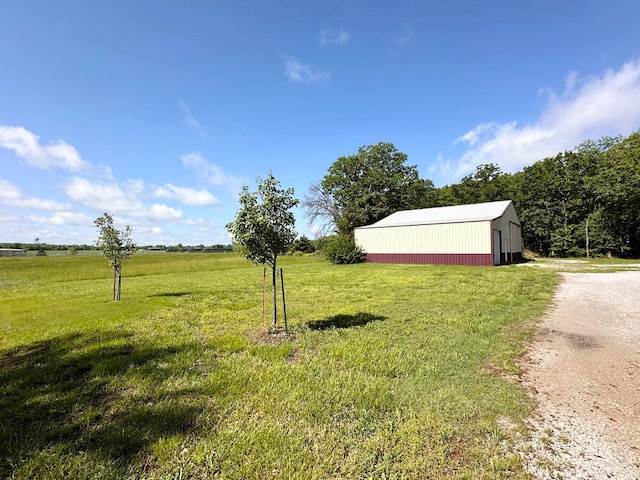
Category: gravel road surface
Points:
column 584, row 369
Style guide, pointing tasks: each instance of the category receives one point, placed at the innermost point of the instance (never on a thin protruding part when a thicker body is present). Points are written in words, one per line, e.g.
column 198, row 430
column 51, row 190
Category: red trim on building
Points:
column 472, row 259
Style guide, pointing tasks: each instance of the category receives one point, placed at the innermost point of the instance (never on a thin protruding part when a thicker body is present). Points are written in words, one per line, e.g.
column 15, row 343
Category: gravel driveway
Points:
column 584, row 369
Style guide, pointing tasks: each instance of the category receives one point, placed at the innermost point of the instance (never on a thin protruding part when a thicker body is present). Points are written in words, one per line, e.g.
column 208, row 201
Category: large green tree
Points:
column 363, row 188
column 264, row 227
column 598, row 239
column 116, row 246
column 554, row 202
column 585, row 201
column 618, row 192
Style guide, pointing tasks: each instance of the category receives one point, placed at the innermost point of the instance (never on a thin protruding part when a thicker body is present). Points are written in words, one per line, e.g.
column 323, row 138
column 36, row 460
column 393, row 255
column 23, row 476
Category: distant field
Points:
column 391, row 371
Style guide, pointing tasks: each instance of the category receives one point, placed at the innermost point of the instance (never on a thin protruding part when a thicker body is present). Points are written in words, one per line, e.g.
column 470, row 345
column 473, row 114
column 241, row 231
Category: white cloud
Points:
column 301, row 73
column 330, row 36
column 189, row 118
column 160, row 212
column 187, row 196
column 588, row 109
column 123, row 200
column 63, row 218
column 608, row 102
column 101, row 196
column 211, row 172
column 508, row 146
column 26, row 145
column 11, row 196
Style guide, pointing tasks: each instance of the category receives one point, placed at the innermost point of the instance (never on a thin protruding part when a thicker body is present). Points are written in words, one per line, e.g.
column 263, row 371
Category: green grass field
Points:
column 389, row 372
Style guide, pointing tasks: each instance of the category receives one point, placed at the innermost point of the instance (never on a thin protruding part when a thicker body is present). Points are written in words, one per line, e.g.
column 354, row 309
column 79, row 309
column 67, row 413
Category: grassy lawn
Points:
column 390, row 372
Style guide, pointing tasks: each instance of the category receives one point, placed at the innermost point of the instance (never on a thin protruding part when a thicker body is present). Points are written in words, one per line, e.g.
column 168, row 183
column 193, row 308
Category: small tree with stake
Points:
column 116, row 246
column 264, row 226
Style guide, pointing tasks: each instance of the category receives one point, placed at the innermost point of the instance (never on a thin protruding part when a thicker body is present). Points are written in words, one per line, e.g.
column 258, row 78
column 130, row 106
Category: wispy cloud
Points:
column 300, row 73
column 26, row 145
column 189, row 118
column 212, row 173
column 333, row 37
column 187, row 196
column 405, row 35
column 588, row 109
column 12, row 196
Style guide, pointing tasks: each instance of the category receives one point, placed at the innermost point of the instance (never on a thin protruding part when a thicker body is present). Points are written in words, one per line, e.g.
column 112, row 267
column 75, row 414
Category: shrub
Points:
column 304, row 245
column 342, row 250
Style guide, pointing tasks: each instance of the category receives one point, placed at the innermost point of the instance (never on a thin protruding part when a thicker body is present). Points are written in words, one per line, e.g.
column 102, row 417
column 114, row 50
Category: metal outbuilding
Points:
column 476, row 234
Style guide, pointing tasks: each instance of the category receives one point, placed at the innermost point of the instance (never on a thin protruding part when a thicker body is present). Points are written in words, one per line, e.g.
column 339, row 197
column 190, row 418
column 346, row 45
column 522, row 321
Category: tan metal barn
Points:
column 476, row 234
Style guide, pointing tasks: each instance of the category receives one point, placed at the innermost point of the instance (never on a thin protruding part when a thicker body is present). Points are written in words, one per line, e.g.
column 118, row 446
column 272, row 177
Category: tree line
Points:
column 74, row 248
column 45, row 246
column 582, row 202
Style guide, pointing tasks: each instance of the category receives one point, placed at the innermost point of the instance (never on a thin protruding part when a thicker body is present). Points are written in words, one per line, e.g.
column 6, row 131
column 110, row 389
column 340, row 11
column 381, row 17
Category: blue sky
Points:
column 158, row 112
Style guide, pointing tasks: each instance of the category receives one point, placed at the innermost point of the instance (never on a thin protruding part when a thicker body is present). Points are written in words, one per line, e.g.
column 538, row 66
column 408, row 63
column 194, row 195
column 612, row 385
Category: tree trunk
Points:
column 115, row 276
column 586, row 229
column 119, row 281
column 264, row 295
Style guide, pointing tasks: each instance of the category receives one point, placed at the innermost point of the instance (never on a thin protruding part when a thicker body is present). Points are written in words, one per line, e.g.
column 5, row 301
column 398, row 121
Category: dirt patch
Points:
column 272, row 336
column 584, row 369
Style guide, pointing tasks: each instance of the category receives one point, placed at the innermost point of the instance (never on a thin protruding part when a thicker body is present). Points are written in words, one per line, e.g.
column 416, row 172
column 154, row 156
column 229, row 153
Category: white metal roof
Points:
column 475, row 212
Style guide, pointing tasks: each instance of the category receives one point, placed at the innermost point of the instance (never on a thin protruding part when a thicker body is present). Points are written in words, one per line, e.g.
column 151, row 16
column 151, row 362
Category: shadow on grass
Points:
column 345, row 321
column 82, row 393
column 172, row 294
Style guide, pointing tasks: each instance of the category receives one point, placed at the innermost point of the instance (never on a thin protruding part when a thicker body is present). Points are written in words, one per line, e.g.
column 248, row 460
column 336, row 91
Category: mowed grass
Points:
column 391, row 371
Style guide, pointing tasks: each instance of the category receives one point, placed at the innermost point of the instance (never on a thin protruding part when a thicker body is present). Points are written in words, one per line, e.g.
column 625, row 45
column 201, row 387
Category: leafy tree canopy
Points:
column 264, row 227
column 487, row 184
column 372, row 184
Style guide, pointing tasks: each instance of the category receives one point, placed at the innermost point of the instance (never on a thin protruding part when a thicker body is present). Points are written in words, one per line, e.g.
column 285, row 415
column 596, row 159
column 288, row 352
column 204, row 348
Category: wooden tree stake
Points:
column 264, row 294
column 284, row 303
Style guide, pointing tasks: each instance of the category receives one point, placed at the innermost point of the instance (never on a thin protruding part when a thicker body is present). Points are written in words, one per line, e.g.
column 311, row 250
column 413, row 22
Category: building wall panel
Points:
column 449, row 238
